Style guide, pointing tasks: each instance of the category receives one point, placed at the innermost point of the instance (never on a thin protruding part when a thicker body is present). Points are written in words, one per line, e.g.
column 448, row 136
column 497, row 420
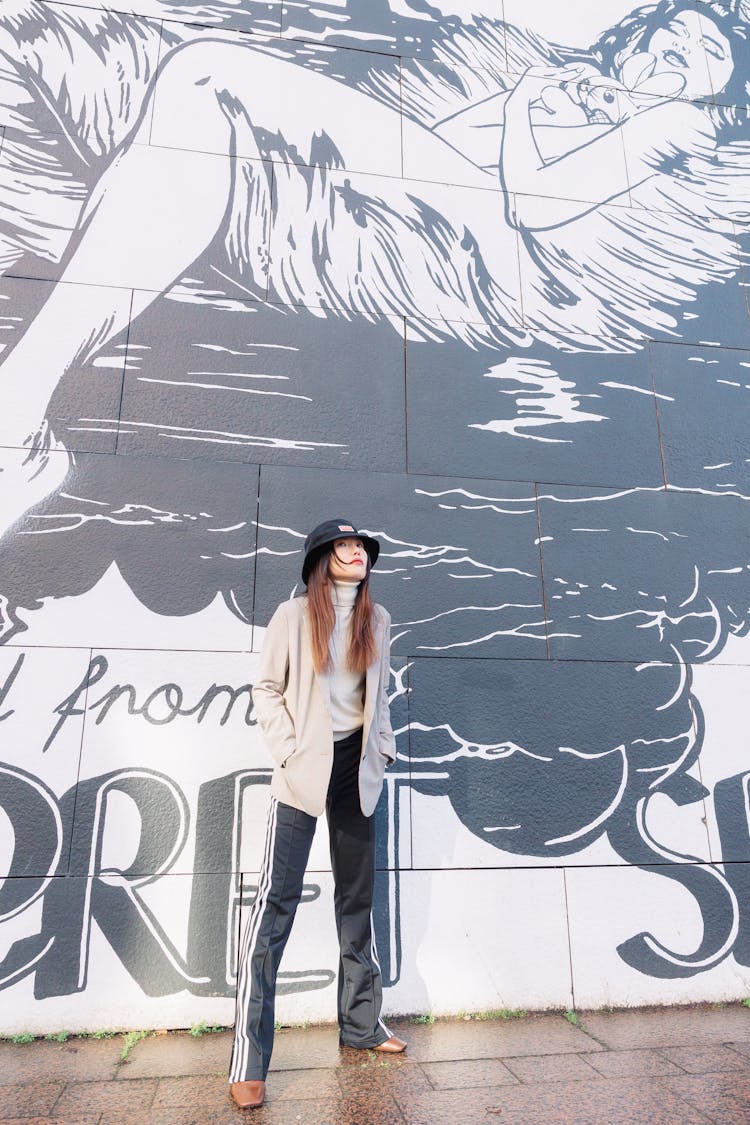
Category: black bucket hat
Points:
column 327, row 533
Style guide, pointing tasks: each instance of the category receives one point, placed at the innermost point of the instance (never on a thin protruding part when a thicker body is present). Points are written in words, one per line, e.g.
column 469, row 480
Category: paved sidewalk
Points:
column 681, row 1066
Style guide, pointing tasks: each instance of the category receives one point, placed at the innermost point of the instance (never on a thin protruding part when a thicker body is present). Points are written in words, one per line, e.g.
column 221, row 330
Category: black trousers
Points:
column 287, row 849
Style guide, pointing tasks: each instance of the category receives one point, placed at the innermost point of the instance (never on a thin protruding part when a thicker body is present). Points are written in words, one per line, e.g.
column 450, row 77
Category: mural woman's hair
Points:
column 362, row 651
column 633, row 32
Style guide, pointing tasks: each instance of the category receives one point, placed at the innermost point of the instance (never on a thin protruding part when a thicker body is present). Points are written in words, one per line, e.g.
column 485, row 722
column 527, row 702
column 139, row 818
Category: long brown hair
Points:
column 362, row 651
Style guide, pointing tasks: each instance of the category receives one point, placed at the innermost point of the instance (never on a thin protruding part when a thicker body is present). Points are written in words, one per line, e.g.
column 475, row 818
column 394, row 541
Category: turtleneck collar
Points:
column 344, row 594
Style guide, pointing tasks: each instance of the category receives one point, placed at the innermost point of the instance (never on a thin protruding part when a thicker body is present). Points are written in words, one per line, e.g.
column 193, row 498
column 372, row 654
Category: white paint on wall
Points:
column 111, row 616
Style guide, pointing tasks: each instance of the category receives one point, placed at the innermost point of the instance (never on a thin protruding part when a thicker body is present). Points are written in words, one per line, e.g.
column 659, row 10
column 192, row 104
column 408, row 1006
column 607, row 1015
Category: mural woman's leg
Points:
column 155, row 210
column 152, row 214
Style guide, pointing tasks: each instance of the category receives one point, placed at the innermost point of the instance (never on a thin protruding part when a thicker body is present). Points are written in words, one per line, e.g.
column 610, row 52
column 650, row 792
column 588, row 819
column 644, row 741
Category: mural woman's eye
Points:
column 609, row 97
column 714, row 49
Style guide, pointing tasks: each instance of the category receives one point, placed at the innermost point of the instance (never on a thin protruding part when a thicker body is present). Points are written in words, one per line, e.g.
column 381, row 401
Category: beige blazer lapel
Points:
column 322, row 678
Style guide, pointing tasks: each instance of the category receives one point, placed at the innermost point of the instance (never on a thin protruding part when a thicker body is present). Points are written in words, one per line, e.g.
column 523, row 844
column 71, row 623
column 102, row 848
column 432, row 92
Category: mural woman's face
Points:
column 686, row 45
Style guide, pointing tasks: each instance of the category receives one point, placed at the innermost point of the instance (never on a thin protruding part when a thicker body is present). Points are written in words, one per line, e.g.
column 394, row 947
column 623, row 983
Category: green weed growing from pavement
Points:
column 494, row 1014
column 59, row 1036
column 572, row 1017
column 129, row 1040
column 204, row 1028
column 746, row 1003
column 426, row 1018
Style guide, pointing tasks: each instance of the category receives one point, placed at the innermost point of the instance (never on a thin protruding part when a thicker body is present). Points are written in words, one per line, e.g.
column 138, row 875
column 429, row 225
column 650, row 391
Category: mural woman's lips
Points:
column 674, row 58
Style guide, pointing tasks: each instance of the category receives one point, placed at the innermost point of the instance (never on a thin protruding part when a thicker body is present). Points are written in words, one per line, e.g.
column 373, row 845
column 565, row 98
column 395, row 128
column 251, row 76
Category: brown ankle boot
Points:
column 248, row 1095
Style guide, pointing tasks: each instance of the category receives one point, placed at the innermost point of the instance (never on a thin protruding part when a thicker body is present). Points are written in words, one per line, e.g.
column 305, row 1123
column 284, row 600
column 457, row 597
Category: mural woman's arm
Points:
column 546, row 191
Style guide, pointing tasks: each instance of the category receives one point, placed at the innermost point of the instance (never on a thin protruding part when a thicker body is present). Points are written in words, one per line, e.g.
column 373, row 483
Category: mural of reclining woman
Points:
column 402, row 248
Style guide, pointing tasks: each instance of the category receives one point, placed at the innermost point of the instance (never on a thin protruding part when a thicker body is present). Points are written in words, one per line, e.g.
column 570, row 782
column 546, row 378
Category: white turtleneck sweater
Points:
column 347, row 688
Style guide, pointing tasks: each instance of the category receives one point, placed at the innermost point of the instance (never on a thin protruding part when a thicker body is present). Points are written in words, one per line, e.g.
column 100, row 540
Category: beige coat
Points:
column 292, row 705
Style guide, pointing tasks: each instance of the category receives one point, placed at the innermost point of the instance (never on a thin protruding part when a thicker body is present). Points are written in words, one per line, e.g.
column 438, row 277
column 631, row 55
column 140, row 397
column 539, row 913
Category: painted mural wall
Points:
column 473, row 274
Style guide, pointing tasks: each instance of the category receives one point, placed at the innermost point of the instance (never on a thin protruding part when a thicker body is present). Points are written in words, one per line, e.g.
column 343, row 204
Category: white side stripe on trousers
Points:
column 244, row 977
column 374, row 954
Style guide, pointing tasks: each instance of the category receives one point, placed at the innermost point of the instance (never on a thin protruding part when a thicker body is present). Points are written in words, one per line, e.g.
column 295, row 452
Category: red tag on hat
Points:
column 345, row 527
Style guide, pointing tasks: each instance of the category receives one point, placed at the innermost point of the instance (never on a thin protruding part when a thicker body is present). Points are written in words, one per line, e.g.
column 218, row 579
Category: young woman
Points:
column 322, row 704
column 296, row 225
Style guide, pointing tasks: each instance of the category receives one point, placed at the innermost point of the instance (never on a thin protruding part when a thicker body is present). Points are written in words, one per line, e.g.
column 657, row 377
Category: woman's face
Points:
column 692, row 46
column 348, row 562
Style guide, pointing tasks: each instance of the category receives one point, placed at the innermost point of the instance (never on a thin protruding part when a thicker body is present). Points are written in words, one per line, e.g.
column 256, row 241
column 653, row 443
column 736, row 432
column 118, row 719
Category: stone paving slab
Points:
column 723, row 1098
column 494, row 1039
column 178, row 1053
column 552, row 1068
column 30, row 1098
column 630, row 1064
column 198, row 1092
column 87, row 1119
column 468, row 1073
column 192, row 1092
column 357, row 1075
column 78, row 1060
column 106, row 1097
column 706, row 1060
column 166, row 1115
column 304, row 1085
column 601, row 1102
column 310, row 1047
column 667, row 1027
column 382, row 1110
